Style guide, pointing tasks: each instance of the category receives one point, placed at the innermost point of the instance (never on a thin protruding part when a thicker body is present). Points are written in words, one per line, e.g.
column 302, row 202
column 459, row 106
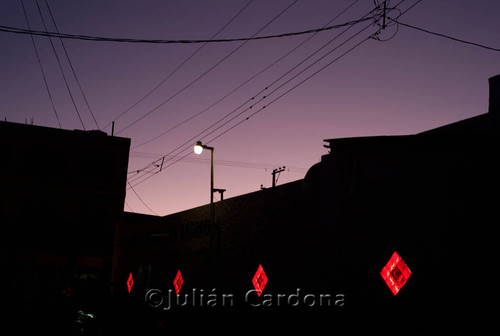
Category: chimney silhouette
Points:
column 494, row 102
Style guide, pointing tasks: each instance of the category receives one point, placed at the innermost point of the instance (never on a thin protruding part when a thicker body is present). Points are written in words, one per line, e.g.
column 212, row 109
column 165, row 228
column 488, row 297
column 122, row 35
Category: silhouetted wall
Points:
column 431, row 197
column 62, row 194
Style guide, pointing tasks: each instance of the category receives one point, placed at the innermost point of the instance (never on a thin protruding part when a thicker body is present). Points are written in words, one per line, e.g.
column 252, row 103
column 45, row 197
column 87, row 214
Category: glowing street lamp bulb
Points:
column 198, row 148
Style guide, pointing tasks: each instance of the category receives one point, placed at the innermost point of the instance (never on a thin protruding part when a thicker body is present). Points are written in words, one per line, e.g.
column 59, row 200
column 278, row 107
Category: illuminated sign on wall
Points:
column 130, row 282
column 259, row 280
column 178, row 281
column 395, row 273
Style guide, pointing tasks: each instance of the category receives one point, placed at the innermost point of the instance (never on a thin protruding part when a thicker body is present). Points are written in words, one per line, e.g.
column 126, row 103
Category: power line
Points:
column 286, row 82
column 207, row 71
column 199, row 135
column 297, row 85
column 61, row 68
column 225, row 163
column 152, row 173
column 446, row 36
column 182, row 64
column 15, row 30
column 140, row 199
column 316, row 72
column 71, row 65
column 41, row 67
column 245, row 82
column 129, row 206
column 188, row 144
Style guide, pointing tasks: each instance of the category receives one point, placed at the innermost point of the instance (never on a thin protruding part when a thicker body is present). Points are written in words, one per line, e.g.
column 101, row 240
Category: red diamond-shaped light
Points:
column 130, row 282
column 259, row 280
column 178, row 281
column 395, row 273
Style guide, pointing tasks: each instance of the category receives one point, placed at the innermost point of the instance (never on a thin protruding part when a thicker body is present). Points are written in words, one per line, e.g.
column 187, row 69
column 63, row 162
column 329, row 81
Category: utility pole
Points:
column 277, row 171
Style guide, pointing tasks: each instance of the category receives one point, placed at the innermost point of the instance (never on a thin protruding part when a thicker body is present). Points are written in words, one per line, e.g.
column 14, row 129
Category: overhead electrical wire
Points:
column 152, row 173
column 188, row 142
column 197, row 136
column 312, row 75
column 276, row 89
column 41, row 67
column 316, row 72
column 61, row 68
column 128, row 206
column 267, row 24
column 181, row 64
column 446, row 36
column 211, row 68
column 15, row 30
column 256, row 95
column 385, row 24
column 179, row 158
column 71, row 66
column 225, row 163
column 140, row 199
column 206, row 72
column 298, row 84
column 242, row 84
column 292, row 78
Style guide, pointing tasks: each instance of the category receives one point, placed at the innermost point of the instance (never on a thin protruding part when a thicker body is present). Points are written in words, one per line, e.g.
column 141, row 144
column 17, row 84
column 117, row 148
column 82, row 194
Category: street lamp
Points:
column 198, row 149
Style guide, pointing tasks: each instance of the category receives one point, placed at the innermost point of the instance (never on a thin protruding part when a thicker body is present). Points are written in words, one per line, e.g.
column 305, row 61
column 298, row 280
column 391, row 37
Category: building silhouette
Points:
column 310, row 253
column 430, row 197
column 62, row 195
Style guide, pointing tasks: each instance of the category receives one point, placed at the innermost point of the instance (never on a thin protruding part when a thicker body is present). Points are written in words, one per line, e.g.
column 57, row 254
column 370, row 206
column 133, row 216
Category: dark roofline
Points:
column 360, row 141
column 487, row 122
column 478, row 125
column 238, row 198
column 134, row 218
column 45, row 130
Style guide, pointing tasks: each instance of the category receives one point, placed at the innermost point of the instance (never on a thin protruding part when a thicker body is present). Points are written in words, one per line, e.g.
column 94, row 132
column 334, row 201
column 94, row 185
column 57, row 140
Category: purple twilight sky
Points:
column 404, row 83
